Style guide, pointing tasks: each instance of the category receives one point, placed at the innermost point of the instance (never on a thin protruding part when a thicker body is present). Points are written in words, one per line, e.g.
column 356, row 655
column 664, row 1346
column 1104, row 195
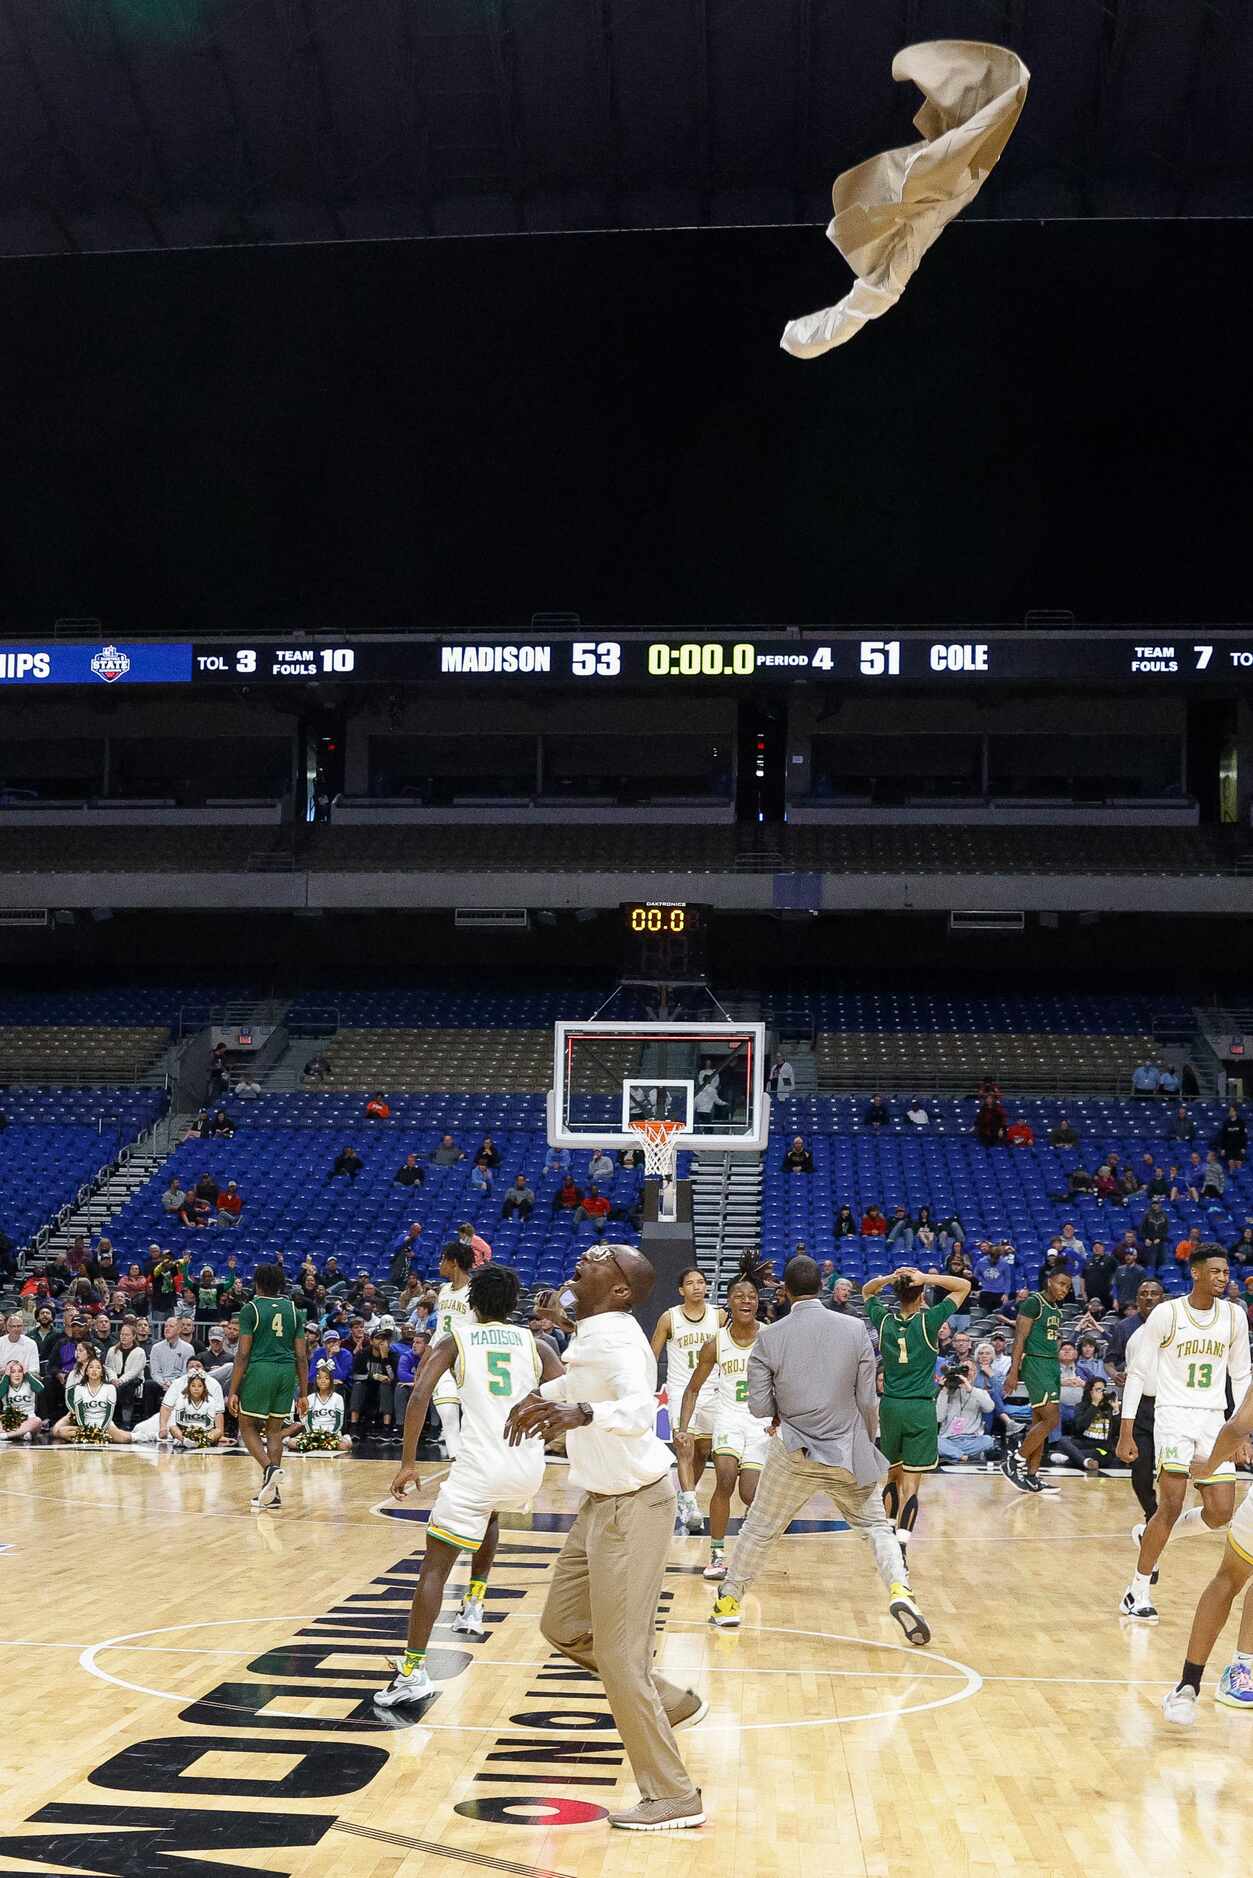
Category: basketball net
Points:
column 661, row 1146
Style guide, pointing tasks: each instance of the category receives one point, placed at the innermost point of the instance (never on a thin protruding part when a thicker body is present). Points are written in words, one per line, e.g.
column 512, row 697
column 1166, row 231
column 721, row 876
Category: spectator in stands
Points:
column 1072, row 1245
column 798, row 1159
column 330, row 1276
column 126, row 1367
column 447, row 1154
column 900, row 1232
column 557, row 1160
column 332, row 1351
column 1214, row 1178
column 1099, row 1275
column 167, row 1361
column 407, row 1360
column 220, row 1125
column 403, row 1249
column 916, row 1114
column 1156, row 1186
column 16, row 1346
column 841, row 1299
column 960, row 1410
column 481, row 1177
column 873, row 1224
column 77, row 1255
column 826, row 1279
column 1146, row 1079
column 247, row 1088
column 347, row 1161
column 876, row 1113
column 167, row 1272
column 783, row 1081
column 1182, row 1126
column 480, row 1248
column 230, row 1204
column 925, row 1237
column 627, row 1157
column 845, row 1225
column 377, row 1107
column 195, row 1212
column 994, row 1274
column 519, row 1199
column 991, row 1123
column 1079, row 1183
column 1106, row 1187
column 232, row 1297
column 1091, row 1363
column 1129, row 1182
column 1154, row 1232
column 950, row 1232
column 594, row 1206
column 374, row 1383
column 1187, row 1245
column 410, row 1174
column 1062, row 1135
column 1232, row 1139
column 173, row 1196
column 600, row 1167
column 1020, row 1134
column 101, row 1331
column 135, row 1286
column 46, row 1337
column 489, row 1152
column 101, row 1264
column 1131, row 1275
column 318, row 1066
column 1071, row 1380
column 1241, row 1250
column 567, row 1196
column 1167, row 1082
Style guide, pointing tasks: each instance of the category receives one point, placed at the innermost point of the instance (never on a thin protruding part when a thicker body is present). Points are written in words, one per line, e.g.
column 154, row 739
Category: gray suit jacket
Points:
column 815, row 1370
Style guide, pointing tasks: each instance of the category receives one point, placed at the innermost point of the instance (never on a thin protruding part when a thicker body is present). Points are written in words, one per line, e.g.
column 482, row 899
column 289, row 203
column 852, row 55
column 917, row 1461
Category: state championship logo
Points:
column 110, row 664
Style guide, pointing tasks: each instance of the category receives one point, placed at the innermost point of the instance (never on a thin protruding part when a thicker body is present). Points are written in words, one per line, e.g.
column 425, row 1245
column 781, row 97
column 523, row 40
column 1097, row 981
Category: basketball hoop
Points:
column 661, row 1146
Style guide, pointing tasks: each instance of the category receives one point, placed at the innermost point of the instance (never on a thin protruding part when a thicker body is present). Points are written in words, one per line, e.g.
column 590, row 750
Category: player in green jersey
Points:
column 271, row 1370
column 908, row 1346
column 1036, row 1359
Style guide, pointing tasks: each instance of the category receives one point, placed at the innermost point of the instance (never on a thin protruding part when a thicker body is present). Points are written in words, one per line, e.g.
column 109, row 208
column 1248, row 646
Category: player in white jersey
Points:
column 452, row 1306
column 496, row 1364
column 740, row 1440
column 682, row 1332
column 1188, row 1349
column 1235, row 1687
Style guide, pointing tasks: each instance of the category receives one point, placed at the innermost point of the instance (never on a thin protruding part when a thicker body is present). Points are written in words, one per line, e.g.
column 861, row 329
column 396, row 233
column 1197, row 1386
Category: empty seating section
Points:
column 504, row 1061
column 81, row 1052
column 1010, row 1193
column 198, row 848
column 57, row 1139
column 853, row 1059
column 105, row 1005
column 281, row 1157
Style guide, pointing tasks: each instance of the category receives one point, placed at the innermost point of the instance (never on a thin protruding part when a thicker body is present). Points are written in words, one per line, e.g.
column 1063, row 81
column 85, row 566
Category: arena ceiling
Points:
column 167, row 123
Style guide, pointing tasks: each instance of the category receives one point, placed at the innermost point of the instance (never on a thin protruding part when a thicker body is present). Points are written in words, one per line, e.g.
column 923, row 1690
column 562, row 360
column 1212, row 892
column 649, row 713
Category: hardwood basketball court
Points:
column 173, row 1661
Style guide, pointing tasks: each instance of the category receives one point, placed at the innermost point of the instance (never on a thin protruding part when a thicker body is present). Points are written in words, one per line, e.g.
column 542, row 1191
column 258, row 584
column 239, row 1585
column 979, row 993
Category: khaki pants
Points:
column 787, row 1481
column 601, row 1611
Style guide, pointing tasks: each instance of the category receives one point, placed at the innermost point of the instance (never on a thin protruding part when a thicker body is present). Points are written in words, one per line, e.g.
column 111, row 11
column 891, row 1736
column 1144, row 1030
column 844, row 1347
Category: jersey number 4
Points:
column 501, row 1382
column 276, row 1324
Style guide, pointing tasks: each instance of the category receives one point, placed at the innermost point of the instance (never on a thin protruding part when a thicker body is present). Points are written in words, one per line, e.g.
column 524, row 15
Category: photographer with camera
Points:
column 960, row 1409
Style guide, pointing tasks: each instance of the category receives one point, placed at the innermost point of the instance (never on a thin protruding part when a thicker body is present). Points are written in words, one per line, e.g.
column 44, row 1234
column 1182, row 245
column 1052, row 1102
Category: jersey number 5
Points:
column 498, row 1362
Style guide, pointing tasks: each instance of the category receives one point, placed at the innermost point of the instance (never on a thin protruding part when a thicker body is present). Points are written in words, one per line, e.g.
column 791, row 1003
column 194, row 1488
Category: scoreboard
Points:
column 1144, row 659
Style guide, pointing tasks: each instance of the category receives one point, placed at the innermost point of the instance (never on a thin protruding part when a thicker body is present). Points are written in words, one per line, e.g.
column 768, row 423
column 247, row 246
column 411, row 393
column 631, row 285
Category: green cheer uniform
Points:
column 1041, row 1368
column 909, row 1346
column 269, row 1386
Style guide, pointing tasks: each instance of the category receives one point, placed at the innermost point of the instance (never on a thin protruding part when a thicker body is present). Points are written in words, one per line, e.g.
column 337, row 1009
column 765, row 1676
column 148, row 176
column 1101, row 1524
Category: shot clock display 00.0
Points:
column 663, row 939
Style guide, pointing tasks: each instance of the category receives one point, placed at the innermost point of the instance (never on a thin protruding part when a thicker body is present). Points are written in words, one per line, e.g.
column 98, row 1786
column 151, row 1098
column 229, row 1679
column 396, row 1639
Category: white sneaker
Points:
column 415, row 1688
column 1179, row 1705
column 1143, row 1613
column 469, row 1619
column 690, row 1513
column 716, row 1568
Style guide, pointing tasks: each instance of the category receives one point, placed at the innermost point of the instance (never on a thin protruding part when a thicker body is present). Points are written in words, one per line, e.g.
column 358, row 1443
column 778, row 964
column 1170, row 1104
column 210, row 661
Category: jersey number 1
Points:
column 498, row 1362
column 1200, row 1375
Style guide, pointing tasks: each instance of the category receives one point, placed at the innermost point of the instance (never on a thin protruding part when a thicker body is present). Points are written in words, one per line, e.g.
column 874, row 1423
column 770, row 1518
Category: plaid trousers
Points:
column 788, row 1480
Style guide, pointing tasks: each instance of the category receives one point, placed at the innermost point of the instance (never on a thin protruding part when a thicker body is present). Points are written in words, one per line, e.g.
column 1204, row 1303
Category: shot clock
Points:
column 663, row 939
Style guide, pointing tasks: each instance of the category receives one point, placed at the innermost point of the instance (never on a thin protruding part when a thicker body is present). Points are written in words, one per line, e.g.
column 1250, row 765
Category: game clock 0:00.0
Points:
column 654, row 920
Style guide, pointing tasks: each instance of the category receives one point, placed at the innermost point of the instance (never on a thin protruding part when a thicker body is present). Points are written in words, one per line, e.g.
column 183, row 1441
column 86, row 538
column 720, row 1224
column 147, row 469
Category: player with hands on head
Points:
column 909, row 1345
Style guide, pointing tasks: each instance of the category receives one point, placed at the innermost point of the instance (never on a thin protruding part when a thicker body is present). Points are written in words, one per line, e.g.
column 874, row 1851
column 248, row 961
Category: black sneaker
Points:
column 1045, row 1486
column 1030, row 1483
column 1015, row 1476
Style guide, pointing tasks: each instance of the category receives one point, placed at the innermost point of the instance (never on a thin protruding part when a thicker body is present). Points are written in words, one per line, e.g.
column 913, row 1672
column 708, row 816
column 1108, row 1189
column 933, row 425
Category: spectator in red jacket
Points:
column 230, row 1204
column 567, row 1196
column 1020, row 1135
column 595, row 1206
column 873, row 1224
column 378, row 1108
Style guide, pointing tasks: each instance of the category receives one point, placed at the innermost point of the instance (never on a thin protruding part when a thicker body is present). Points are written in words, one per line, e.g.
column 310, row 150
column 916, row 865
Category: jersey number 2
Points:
column 498, row 1362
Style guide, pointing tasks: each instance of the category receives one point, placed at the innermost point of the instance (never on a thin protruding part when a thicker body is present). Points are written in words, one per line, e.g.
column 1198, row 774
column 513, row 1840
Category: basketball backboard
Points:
column 707, row 1077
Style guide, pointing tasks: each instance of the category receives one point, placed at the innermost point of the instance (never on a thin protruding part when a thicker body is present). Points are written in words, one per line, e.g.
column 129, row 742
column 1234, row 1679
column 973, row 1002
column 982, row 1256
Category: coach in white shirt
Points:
column 602, row 1604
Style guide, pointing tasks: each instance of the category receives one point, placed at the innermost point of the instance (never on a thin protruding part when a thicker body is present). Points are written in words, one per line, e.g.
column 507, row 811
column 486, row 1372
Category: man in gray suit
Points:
column 813, row 1373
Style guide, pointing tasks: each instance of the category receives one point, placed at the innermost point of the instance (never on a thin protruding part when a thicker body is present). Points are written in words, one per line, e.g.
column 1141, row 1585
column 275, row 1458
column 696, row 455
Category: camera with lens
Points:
column 954, row 1377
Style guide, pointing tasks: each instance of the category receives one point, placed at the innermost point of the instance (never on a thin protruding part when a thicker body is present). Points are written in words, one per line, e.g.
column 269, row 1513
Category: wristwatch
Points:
column 585, row 1410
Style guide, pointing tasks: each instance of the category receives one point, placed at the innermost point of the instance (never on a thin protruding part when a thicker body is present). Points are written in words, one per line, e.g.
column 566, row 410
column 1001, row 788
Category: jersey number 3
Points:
column 501, row 1382
column 1200, row 1375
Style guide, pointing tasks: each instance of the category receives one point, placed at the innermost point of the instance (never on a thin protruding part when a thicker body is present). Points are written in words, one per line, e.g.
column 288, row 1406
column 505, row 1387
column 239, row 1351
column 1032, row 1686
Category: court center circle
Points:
column 972, row 1681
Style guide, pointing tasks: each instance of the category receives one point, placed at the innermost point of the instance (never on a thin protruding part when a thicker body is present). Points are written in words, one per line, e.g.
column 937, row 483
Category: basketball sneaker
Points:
column 1011, row 1467
column 469, row 1619
column 1179, row 1705
column 716, row 1567
column 726, row 1613
column 1143, row 1613
column 908, row 1616
column 1235, row 1690
column 692, row 1710
column 271, row 1480
column 1042, row 1485
column 402, row 1688
column 1137, row 1535
column 689, row 1513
